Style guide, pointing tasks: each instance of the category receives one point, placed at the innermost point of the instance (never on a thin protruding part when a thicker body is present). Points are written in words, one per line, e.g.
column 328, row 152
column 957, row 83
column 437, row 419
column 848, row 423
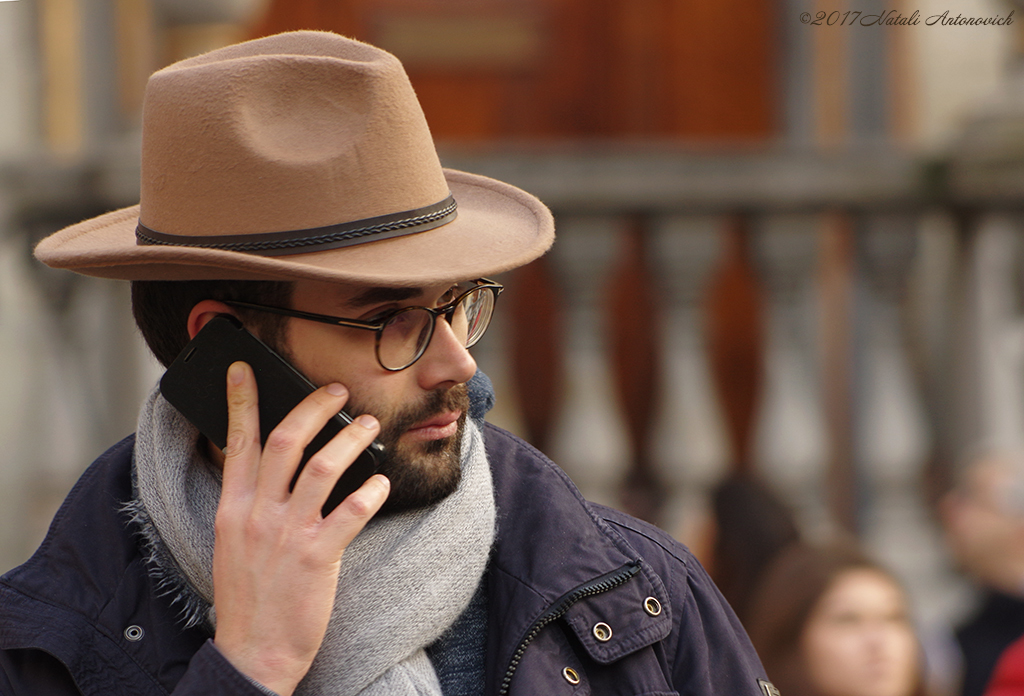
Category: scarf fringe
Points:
column 170, row 581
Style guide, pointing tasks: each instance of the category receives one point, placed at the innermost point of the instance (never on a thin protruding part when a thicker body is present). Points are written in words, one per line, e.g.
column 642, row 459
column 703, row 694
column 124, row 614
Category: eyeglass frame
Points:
column 446, row 310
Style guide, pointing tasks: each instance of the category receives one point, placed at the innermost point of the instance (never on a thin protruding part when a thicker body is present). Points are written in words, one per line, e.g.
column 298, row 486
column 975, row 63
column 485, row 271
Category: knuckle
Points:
column 281, row 441
column 364, row 502
column 236, row 441
column 238, row 397
column 224, row 523
column 321, row 467
column 254, row 528
column 357, row 435
column 240, row 400
column 358, row 506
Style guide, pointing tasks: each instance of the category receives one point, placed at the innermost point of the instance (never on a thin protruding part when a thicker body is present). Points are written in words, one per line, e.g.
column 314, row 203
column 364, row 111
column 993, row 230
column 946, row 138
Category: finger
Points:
column 349, row 518
column 323, row 469
column 286, row 443
column 242, row 453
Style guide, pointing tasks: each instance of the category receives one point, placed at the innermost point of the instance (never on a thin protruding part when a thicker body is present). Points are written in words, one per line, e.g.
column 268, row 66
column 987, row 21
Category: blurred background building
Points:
column 789, row 242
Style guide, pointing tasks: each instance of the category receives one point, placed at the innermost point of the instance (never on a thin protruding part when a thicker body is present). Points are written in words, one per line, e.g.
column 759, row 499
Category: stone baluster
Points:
column 891, row 439
column 21, row 430
column 90, row 372
column 997, row 335
column 791, row 444
column 589, row 439
column 690, row 448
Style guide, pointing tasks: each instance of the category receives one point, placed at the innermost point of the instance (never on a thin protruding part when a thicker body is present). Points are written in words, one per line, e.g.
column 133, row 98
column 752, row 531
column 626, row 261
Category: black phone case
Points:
column 195, row 384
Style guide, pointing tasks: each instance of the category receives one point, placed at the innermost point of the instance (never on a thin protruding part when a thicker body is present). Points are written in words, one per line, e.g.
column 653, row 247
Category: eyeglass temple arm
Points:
column 337, row 321
column 322, row 318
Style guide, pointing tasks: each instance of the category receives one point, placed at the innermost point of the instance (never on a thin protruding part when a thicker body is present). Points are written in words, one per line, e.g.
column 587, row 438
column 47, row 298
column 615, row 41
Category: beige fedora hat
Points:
column 300, row 155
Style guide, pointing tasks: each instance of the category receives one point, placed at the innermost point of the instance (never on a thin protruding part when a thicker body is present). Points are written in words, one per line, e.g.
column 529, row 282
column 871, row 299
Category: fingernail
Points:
column 336, row 389
column 367, row 421
column 236, row 373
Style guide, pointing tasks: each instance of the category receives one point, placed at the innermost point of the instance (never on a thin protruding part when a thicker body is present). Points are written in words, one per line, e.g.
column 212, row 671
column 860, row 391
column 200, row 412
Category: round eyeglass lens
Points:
column 476, row 307
column 404, row 337
column 406, row 334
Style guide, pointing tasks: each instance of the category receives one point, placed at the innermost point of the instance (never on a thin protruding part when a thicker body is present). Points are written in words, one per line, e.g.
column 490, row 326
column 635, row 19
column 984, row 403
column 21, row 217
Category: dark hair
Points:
column 783, row 602
column 161, row 309
column 752, row 526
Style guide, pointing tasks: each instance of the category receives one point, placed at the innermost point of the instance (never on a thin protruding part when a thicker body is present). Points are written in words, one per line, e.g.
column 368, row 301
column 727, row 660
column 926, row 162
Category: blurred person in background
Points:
column 983, row 517
column 1008, row 675
column 830, row 622
column 751, row 526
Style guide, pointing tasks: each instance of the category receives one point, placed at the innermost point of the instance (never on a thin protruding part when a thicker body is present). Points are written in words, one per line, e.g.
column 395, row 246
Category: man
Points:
column 983, row 517
column 292, row 181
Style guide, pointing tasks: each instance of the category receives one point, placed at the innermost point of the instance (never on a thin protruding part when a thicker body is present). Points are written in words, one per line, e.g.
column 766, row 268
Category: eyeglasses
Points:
column 403, row 334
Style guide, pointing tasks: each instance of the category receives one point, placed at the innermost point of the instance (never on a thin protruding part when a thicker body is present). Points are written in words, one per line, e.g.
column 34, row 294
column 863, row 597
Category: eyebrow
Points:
column 381, row 294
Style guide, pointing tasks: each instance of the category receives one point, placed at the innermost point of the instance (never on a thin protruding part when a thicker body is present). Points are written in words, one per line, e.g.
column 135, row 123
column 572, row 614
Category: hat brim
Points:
column 499, row 227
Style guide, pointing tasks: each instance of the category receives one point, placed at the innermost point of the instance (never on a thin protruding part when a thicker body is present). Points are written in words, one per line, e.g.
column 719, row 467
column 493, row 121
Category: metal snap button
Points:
column 603, row 632
column 571, row 675
column 652, row 606
column 134, row 633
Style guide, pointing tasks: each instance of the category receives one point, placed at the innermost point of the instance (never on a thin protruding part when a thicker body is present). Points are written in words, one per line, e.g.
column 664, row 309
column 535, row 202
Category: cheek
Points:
column 326, row 354
column 834, row 657
column 903, row 648
column 329, row 354
column 848, row 662
column 829, row 651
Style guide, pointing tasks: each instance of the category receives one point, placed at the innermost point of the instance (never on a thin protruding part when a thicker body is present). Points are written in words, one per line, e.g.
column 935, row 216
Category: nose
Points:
column 446, row 362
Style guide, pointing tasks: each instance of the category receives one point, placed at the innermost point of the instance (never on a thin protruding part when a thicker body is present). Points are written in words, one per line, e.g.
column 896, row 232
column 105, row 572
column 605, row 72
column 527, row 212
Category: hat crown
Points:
column 291, row 132
column 300, row 155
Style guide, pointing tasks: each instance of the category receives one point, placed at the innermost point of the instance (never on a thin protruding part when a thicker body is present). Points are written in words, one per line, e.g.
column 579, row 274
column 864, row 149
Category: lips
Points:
column 440, row 426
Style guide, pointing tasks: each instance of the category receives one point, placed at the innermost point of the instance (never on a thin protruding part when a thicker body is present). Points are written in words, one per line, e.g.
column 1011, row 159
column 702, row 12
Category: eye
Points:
column 897, row 617
column 846, row 618
column 452, row 292
column 378, row 315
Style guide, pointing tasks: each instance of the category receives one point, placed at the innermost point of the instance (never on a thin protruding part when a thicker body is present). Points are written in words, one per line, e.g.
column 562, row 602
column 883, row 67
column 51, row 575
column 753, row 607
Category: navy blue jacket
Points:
column 83, row 615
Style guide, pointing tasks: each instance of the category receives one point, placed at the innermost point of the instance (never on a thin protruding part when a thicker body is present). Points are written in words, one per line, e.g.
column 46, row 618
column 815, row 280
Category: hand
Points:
column 276, row 559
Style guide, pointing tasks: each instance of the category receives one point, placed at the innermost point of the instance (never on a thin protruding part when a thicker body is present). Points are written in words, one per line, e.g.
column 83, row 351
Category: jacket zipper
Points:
column 594, row 587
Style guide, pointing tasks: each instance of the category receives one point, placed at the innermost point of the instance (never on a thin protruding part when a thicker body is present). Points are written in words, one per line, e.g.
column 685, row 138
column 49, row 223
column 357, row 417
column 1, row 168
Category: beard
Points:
column 421, row 473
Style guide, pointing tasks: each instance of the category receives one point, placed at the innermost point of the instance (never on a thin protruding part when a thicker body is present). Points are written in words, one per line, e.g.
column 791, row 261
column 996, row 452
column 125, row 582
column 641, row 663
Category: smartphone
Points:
column 195, row 384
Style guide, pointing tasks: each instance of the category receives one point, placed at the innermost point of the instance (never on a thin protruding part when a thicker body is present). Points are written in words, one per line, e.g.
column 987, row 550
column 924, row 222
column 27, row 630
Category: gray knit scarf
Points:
column 404, row 579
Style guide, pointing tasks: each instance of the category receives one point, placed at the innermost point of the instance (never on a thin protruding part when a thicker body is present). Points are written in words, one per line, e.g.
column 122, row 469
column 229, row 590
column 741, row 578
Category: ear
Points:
column 203, row 312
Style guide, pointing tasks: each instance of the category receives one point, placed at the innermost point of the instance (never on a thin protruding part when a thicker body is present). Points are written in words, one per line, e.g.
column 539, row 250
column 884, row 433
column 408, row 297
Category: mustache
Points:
column 435, row 403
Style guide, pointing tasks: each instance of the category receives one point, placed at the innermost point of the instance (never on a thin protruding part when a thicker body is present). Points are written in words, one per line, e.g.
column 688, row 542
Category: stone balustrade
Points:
column 886, row 326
